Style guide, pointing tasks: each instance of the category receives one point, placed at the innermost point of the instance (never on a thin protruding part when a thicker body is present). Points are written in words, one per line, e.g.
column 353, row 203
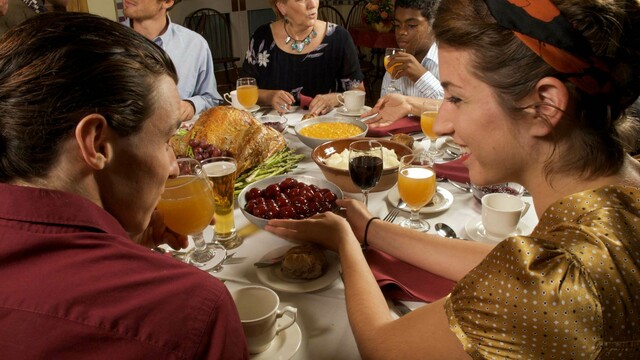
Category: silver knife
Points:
column 401, row 308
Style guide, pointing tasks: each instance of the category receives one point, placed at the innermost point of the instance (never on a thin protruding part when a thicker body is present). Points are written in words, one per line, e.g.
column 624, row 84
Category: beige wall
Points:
column 106, row 8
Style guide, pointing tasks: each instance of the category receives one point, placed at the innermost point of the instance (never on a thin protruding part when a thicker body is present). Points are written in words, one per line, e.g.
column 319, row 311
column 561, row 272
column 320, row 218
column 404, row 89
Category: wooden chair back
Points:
column 214, row 26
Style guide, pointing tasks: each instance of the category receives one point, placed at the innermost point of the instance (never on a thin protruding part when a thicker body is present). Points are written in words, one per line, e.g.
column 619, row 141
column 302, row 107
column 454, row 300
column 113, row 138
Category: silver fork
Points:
column 391, row 216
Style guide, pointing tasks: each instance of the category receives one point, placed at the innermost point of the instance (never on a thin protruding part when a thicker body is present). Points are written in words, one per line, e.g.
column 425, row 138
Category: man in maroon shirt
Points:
column 87, row 108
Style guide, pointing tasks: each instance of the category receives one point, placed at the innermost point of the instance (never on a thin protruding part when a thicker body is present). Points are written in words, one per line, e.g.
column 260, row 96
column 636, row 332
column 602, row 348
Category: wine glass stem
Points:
column 432, row 146
column 365, row 198
column 415, row 216
column 199, row 242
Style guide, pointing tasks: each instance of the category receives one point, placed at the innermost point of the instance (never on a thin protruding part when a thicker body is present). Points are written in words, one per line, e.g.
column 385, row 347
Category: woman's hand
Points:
column 280, row 100
column 327, row 230
column 357, row 216
column 157, row 233
column 322, row 104
column 389, row 108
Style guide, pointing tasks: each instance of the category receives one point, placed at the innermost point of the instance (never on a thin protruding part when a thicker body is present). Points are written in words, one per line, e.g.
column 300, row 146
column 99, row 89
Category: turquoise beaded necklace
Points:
column 298, row 45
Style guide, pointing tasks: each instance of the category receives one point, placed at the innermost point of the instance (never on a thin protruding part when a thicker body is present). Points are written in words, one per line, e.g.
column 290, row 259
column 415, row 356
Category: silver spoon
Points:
column 445, row 230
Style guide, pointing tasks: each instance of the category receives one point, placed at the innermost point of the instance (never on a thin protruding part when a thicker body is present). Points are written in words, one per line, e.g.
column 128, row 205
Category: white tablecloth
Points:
column 322, row 315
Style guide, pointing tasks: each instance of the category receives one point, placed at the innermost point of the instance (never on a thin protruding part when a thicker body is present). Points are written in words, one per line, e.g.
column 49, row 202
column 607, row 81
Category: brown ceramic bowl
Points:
column 341, row 177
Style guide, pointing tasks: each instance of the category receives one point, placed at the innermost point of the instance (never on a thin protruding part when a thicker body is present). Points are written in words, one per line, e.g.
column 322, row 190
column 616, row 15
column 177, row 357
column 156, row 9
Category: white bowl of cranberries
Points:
column 287, row 197
column 508, row 188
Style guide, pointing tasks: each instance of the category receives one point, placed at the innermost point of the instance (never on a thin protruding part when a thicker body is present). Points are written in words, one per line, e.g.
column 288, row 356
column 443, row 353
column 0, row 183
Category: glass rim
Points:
column 196, row 166
column 365, row 141
column 218, row 158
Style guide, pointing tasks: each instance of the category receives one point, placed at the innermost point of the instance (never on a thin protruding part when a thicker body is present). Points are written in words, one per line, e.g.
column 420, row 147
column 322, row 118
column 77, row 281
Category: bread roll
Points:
column 308, row 116
column 403, row 139
column 304, row 262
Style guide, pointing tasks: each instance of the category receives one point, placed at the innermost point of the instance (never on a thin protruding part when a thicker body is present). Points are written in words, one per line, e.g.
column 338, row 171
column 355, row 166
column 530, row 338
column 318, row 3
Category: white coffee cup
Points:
column 258, row 309
column 352, row 100
column 501, row 214
column 232, row 98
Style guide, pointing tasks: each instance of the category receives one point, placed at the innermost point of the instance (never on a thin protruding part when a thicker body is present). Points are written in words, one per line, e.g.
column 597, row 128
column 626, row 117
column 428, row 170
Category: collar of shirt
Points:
column 431, row 59
column 39, row 205
column 167, row 35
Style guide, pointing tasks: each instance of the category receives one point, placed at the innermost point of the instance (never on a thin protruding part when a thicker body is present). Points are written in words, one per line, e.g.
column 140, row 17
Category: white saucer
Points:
column 343, row 111
column 443, row 199
column 253, row 109
column 476, row 232
column 273, row 277
column 285, row 345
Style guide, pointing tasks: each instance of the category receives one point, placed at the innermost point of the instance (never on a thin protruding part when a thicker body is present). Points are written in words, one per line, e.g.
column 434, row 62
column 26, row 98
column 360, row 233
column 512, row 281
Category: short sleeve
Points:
column 526, row 300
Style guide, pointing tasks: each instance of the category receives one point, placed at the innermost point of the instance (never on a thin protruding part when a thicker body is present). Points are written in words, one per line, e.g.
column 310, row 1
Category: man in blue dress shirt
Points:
column 188, row 50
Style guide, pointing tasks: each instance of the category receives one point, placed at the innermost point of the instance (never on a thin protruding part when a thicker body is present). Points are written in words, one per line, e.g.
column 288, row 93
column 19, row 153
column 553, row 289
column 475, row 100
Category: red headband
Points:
column 542, row 28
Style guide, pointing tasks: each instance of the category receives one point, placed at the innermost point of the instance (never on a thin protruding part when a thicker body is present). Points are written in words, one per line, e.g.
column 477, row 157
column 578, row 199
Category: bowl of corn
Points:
column 316, row 131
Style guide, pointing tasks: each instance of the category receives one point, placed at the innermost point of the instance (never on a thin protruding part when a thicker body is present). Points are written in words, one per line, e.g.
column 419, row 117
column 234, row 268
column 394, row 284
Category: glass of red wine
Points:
column 365, row 165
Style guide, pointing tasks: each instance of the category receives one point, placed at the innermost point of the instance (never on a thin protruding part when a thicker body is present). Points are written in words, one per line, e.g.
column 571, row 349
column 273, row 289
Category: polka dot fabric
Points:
column 570, row 290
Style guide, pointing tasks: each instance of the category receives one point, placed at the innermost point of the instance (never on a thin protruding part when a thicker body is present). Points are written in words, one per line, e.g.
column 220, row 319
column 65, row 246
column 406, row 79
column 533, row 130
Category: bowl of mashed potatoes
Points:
column 319, row 130
column 332, row 158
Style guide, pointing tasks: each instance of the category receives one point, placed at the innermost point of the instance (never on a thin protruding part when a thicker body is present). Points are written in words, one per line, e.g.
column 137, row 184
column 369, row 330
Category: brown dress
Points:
column 570, row 290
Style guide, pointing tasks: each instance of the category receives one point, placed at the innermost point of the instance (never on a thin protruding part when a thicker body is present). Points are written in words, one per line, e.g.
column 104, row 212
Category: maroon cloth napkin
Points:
column 453, row 170
column 406, row 125
column 305, row 101
column 402, row 281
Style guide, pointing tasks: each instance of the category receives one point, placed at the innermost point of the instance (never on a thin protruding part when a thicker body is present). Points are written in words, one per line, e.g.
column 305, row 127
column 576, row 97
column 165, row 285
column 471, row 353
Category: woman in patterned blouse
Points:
column 536, row 92
column 299, row 55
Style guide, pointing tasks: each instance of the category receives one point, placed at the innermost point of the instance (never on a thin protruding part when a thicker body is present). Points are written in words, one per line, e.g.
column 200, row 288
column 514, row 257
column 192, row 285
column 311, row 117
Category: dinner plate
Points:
column 343, row 111
column 273, row 277
column 284, row 345
column 476, row 232
column 442, row 200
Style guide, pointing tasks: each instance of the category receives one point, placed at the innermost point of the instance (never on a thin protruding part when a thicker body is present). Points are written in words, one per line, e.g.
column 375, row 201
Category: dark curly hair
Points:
column 57, row 68
column 427, row 7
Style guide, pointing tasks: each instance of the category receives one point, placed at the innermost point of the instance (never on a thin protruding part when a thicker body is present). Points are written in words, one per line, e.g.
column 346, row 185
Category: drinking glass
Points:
column 247, row 90
column 388, row 54
column 365, row 165
column 221, row 171
column 416, row 185
column 427, row 119
column 187, row 206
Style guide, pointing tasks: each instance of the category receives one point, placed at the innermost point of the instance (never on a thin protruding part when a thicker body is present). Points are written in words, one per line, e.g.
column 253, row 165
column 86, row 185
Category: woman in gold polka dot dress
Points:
column 536, row 92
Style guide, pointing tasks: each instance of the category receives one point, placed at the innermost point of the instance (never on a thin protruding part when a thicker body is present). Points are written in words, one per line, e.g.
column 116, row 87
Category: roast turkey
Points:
column 236, row 131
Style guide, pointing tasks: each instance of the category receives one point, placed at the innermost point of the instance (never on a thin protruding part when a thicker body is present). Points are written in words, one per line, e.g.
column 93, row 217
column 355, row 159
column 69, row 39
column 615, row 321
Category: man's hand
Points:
column 408, row 66
column 186, row 110
column 389, row 108
column 157, row 233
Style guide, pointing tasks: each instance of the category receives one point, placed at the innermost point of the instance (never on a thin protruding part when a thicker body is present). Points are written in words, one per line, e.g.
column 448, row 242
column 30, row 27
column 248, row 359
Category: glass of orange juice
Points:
column 427, row 119
column 187, row 207
column 388, row 57
column 247, row 90
column 416, row 185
